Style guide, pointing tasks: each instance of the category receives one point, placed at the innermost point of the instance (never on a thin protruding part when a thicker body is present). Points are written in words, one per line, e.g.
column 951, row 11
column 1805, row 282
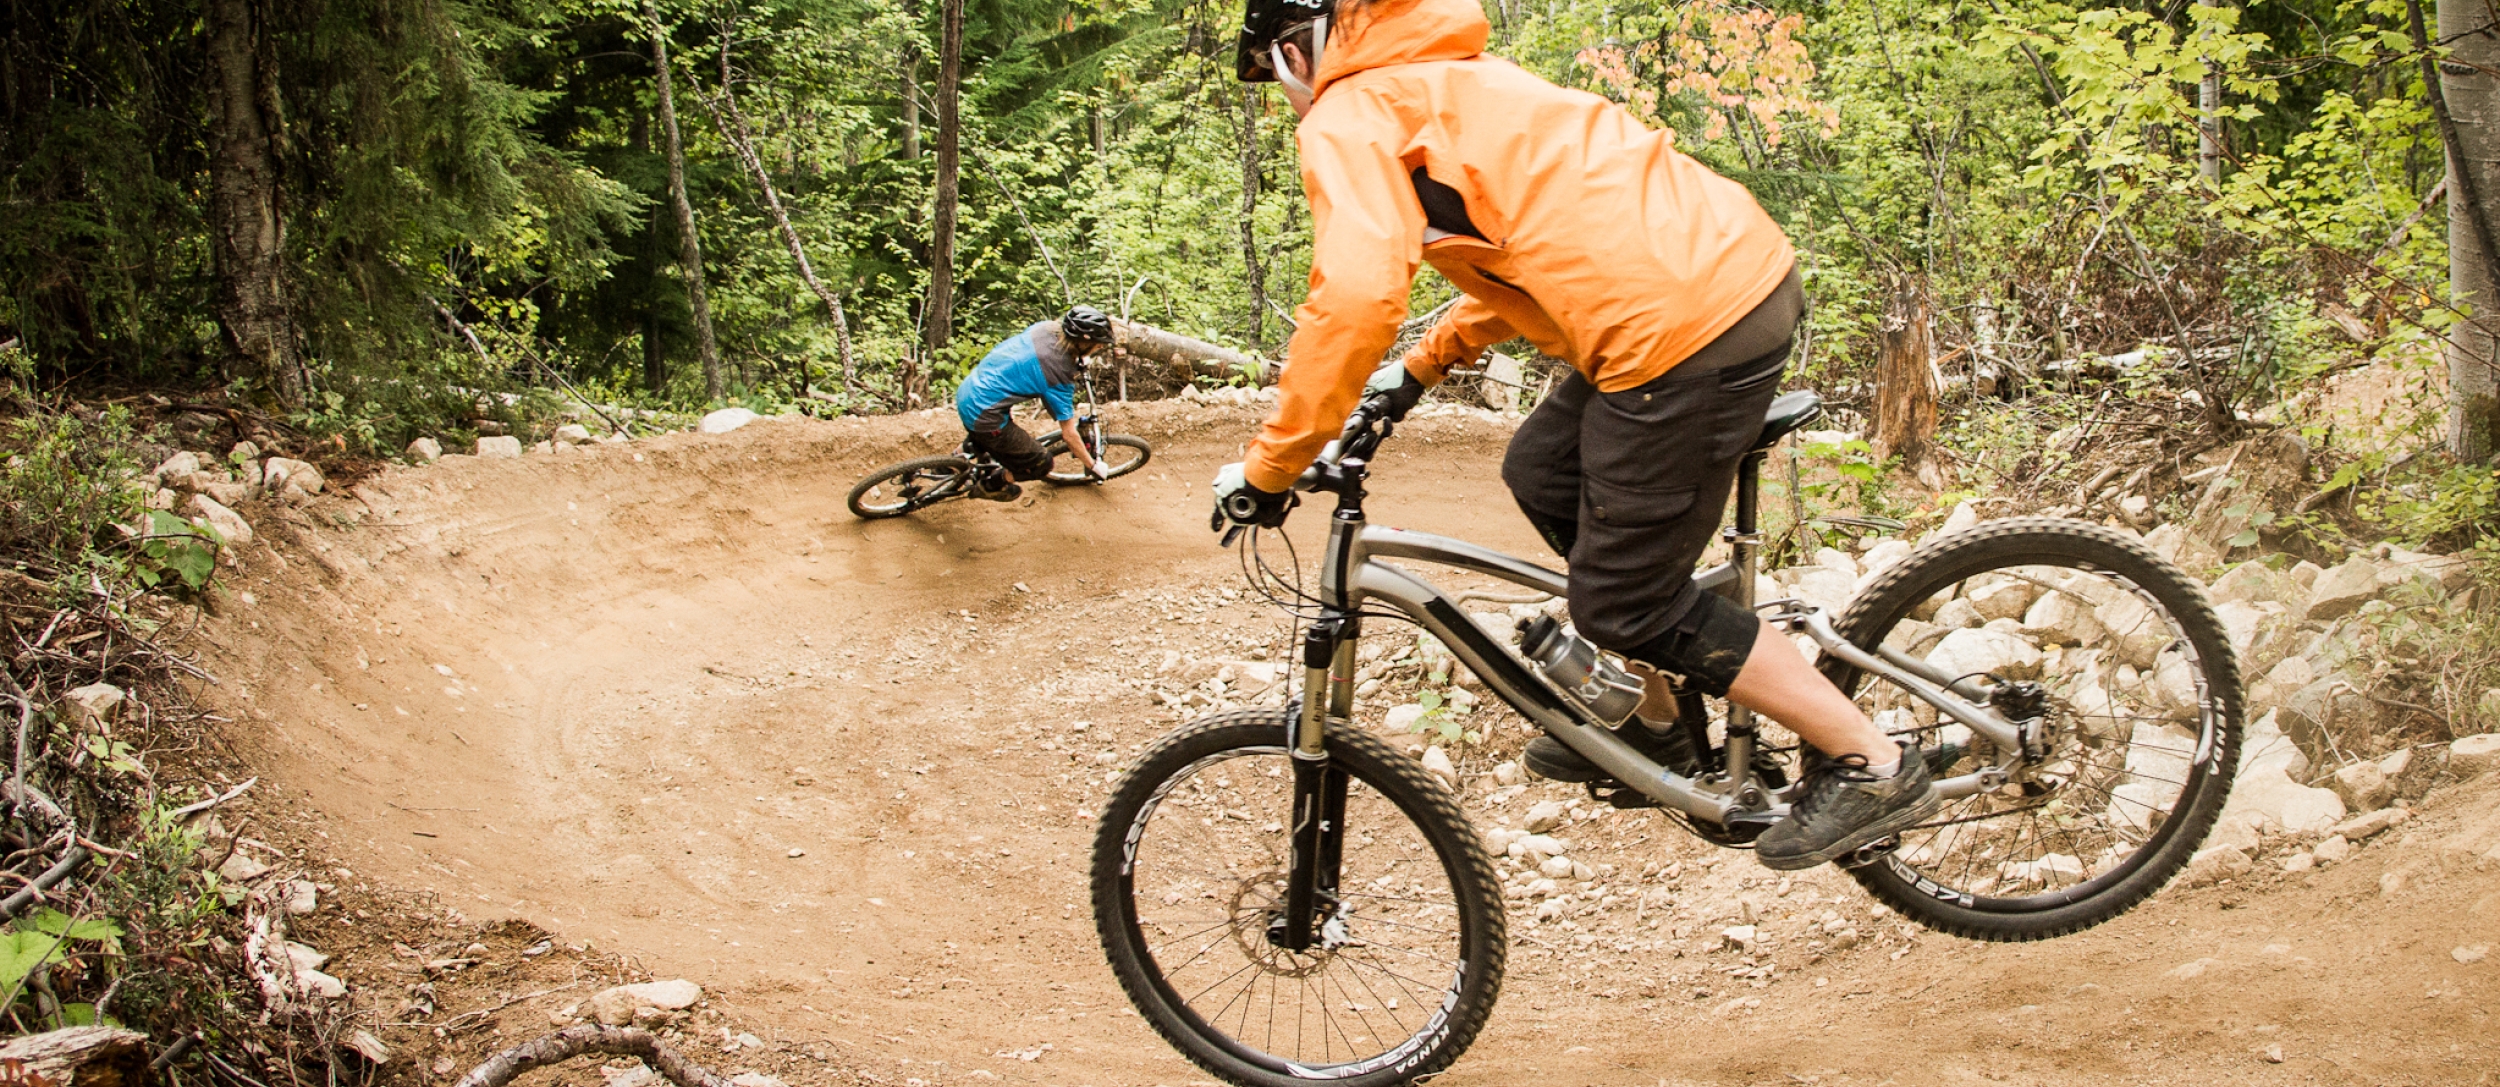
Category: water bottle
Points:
column 1576, row 666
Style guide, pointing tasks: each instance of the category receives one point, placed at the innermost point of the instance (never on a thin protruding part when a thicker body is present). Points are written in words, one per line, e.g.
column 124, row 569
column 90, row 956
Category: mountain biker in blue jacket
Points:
column 1040, row 363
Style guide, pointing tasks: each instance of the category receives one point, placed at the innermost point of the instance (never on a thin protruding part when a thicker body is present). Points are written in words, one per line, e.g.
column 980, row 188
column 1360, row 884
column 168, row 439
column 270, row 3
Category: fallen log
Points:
column 80, row 1057
column 572, row 1042
column 1188, row 358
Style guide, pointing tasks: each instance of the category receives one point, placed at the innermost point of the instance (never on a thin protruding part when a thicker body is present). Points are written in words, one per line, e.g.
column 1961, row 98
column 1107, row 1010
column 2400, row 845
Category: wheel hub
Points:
column 1258, row 928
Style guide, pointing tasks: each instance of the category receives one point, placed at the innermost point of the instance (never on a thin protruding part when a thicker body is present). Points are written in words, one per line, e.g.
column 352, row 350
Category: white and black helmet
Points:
column 1263, row 22
column 1085, row 324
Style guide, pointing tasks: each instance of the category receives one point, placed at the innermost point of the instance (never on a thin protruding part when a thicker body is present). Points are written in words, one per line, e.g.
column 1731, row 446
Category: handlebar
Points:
column 1365, row 429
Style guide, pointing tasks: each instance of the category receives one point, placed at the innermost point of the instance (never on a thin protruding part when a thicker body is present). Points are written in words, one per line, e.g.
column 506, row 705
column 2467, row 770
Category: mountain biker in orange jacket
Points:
column 1673, row 295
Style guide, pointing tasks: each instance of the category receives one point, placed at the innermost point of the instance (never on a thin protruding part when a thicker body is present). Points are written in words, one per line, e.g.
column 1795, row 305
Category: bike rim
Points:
column 1202, row 886
column 2133, row 728
column 902, row 491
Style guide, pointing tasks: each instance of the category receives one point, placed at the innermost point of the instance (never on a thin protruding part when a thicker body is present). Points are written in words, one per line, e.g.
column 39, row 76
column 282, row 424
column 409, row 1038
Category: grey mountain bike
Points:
column 897, row 489
column 1286, row 897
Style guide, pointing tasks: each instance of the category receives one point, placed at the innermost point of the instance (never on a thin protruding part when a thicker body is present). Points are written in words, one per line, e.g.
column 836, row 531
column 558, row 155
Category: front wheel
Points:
column 1189, row 873
column 2130, row 678
column 897, row 489
column 1120, row 454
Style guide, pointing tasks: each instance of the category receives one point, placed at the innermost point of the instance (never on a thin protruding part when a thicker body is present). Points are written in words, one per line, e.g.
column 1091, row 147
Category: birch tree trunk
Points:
column 938, row 320
column 689, row 247
column 247, row 227
column 2466, row 101
column 734, row 131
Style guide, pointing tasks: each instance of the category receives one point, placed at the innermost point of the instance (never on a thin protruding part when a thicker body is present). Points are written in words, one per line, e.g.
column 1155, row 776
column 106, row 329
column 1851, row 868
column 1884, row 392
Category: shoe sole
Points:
column 1864, row 836
column 1576, row 772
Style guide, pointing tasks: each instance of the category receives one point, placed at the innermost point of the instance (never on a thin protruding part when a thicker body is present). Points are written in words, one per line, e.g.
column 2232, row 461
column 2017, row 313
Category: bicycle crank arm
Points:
column 1319, row 790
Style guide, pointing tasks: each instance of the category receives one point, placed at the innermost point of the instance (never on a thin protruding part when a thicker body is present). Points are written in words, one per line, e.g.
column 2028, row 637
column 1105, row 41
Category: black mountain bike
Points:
column 897, row 489
column 1285, row 897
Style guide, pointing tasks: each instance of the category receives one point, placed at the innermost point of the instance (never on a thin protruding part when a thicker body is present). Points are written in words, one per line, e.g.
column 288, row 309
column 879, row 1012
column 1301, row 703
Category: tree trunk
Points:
column 1905, row 377
column 2466, row 101
column 1186, row 357
column 1256, row 327
column 2209, row 120
column 911, row 102
column 689, row 247
column 938, row 319
column 246, row 224
column 741, row 139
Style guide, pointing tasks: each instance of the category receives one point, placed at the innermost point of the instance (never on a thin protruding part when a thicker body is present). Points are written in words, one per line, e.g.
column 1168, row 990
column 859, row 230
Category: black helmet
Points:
column 1262, row 22
column 1085, row 324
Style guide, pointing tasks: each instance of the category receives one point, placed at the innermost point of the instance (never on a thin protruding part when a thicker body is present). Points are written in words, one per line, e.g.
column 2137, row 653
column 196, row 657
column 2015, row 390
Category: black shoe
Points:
column 1548, row 758
column 1842, row 809
column 1004, row 492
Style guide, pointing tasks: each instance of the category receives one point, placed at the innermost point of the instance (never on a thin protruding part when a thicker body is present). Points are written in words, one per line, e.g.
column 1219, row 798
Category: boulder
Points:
column 2362, row 785
column 2263, row 473
column 2172, row 686
column 2217, row 863
column 2183, row 549
column 501, row 446
column 1544, row 816
column 2333, row 850
column 1833, row 558
column 2266, row 791
column 176, row 470
column 2260, row 633
column 574, row 433
column 2412, row 770
column 1824, row 587
column 1403, row 719
column 96, row 704
column 1883, row 555
column 615, row 1007
column 292, row 481
column 2369, row 823
column 2328, row 708
column 2471, row 755
column 2062, row 618
column 229, row 524
column 2135, row 633
column 2342, row 590
column 1958, row 613
column 1437, row 763
column 226, row 494
column 241, row 867
column 726, row 420
column 425, row 451
column 2003, row 598
column 2263, row 744
column 2305, row 574
column 2254, row 583
column 1964, row 515
column 1990, row 652
column 2289, row 674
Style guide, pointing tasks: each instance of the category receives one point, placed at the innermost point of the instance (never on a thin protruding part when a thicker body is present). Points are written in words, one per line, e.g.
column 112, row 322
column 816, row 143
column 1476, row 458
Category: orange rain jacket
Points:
column 1603, row 245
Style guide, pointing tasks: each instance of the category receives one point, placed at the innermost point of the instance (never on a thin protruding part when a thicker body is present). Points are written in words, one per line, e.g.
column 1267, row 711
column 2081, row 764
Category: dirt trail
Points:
column 670, row 698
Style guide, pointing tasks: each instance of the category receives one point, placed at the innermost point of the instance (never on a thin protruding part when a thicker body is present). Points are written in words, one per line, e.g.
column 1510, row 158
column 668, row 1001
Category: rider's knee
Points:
column 1708, row 646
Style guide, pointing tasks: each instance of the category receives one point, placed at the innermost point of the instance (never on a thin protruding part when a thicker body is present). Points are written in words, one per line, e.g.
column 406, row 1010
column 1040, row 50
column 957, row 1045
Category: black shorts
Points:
column 1629, row 486
column 1016, row 450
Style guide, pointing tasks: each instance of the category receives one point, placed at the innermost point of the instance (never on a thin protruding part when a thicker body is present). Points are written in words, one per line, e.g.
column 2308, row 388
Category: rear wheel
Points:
column 898, row 489
column 1189, row 871
column 1120, row 454
column 2138, row 706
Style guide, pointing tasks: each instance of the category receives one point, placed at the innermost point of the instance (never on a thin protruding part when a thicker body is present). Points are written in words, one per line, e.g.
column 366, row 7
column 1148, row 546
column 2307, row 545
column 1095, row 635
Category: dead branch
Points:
column 572, row 1042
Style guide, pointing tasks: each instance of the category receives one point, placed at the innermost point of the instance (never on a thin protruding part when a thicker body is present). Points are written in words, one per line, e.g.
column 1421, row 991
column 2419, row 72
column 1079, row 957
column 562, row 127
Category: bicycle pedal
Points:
column 1870, row 852
column 1619, row 795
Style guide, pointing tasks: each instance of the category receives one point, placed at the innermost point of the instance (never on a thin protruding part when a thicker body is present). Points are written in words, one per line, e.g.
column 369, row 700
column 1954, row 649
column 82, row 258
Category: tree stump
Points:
column 1905, row 380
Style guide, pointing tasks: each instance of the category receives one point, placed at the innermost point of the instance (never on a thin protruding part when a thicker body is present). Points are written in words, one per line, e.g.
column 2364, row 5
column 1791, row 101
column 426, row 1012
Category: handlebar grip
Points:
column 1240, row 507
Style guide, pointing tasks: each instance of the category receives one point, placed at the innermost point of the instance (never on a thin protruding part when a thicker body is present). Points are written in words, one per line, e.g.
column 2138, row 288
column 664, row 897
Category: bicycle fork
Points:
column 1319, row 787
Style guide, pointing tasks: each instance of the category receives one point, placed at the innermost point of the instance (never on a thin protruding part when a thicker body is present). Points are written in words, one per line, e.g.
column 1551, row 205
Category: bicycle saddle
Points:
column 1788, row 413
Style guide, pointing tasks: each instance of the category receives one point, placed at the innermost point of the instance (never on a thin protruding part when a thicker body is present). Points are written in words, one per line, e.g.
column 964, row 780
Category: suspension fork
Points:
column 1319, row 786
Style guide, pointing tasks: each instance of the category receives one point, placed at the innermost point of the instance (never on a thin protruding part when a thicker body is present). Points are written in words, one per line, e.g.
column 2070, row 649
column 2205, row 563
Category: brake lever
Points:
column 1230, row 535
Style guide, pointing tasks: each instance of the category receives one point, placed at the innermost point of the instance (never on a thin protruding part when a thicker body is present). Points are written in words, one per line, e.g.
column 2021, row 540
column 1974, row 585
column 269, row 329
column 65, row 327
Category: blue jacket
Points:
column 1032, row 364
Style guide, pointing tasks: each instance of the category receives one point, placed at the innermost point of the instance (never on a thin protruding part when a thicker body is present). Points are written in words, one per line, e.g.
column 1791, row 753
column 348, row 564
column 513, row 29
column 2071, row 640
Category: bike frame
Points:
column 1355, row 569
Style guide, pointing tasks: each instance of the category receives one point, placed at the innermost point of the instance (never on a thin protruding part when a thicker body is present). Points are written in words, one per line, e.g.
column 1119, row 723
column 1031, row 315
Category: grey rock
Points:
column 96, row 704
column 300, row 957
column 2362, row 785
column 293, row 481
column 2005, row 598
column 2333, row 850
column 726, row 420
column 2261, row 633
column 229, row 524
column 176, row 470
column 364, row 1044
column 2342, row 590
column 2215, row 864
column 574, row 433
column 319, row 985
column 302, row 897
column 2305, row 574
column 2316, row 715
column 1957, row 614
column 2370, row 823
column 425, row 451
column 2063, row 618
column 227, row 494
column 241, row 867
column 2472, row 755
column 2254, row 582
column 2135, row 633
column 1964, row 515
column 1544, row 816
column 1993, row 652
column 502, row 446
column 1437, row 763
column 2267, row 792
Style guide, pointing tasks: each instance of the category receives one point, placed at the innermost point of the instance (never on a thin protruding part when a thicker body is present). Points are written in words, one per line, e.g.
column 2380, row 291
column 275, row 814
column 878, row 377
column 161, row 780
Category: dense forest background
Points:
column 366, row 213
